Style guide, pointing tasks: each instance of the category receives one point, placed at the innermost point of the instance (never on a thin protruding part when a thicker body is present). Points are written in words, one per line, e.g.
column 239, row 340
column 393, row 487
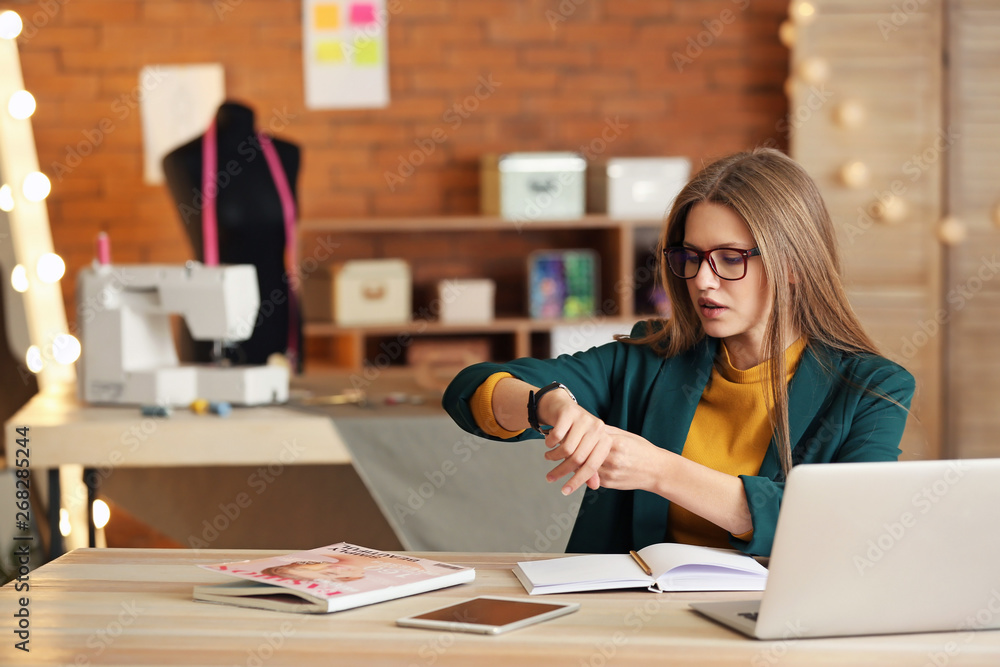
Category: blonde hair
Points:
column 785, row 212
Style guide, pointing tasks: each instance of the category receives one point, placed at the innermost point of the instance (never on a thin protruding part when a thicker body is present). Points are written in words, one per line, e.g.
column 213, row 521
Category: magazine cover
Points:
column 341, row 575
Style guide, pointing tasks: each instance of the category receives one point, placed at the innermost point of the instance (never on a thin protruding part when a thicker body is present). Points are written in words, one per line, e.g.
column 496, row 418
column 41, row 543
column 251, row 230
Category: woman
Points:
column 685, row 430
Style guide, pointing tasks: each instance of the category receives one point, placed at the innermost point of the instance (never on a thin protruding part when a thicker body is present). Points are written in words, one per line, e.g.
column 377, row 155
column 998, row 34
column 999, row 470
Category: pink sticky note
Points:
column 362, row 13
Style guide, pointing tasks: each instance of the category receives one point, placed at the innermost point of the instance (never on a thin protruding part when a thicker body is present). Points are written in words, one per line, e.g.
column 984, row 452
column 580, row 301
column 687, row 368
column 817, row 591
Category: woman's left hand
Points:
column 629, row 462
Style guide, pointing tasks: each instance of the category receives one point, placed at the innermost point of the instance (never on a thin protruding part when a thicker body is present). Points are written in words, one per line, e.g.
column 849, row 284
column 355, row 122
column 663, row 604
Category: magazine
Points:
column 671, row 567
column 332, row 578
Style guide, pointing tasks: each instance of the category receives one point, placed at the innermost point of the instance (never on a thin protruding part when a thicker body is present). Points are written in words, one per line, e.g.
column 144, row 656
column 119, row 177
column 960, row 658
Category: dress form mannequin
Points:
column 250, row 222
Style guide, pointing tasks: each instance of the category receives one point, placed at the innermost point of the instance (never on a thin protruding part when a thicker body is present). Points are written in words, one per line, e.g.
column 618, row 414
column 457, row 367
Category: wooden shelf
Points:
column 447, row 247
column 422, row 327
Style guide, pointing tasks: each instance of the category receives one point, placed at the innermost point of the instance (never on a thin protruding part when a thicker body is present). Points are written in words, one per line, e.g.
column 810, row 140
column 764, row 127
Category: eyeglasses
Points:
column 727, row 263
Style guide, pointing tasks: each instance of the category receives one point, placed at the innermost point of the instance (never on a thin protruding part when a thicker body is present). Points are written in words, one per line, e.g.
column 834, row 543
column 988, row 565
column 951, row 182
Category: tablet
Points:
column 489, row 615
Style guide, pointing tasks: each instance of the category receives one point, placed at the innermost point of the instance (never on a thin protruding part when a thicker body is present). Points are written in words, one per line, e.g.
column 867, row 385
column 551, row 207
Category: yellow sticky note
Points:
column 366, row 51
column 330, row 51
column 326, row 16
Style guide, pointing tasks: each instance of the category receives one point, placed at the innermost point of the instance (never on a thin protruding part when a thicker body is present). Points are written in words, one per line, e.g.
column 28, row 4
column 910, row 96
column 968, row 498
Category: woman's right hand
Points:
column 578, row 439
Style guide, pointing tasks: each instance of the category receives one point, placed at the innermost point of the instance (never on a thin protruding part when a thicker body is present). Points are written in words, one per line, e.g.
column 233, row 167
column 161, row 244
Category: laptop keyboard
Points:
column 749, row 615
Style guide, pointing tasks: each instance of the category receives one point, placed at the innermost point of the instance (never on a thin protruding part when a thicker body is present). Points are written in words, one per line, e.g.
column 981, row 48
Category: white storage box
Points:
column 374, row 291
column 466, row 300
column 644, row 188
column 533, row 186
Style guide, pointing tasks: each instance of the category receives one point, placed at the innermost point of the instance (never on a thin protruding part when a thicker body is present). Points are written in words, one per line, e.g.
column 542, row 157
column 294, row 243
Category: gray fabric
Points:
column 442, row 489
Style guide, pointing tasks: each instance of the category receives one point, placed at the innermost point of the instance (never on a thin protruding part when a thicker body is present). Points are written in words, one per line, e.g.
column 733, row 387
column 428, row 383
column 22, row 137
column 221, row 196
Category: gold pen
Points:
column 638, row 559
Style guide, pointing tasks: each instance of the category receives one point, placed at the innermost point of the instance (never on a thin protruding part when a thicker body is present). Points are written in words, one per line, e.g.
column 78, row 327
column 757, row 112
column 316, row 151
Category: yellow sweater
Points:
column 730, row 432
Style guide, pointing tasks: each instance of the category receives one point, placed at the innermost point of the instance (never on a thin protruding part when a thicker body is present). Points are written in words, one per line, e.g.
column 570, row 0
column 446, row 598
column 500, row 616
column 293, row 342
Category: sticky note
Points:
column 330, row 51
column 326, row 16
column 362, row 13
column 366, row 51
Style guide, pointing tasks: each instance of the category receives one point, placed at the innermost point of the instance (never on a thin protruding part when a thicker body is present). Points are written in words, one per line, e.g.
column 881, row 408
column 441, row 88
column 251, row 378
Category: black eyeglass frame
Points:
column 707, row 255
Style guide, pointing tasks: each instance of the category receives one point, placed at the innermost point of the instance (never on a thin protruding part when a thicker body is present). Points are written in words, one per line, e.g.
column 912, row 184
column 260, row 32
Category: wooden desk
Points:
column 63, row 431
column 134, row 607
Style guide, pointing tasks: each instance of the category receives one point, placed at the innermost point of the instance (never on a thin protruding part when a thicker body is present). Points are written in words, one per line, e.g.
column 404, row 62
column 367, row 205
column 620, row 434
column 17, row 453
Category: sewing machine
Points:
column 128, row 348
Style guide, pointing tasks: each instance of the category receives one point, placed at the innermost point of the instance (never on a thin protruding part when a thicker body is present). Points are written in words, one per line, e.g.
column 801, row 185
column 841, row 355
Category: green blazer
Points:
column 837, row 413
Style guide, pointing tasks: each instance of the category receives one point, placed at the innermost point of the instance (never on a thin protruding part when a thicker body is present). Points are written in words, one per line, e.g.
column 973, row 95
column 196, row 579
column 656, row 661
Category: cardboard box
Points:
column 533, row 186
column 466, row 300
column 361, row 292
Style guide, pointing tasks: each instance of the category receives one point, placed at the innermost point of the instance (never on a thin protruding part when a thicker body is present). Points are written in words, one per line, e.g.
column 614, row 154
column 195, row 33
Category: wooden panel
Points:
column 972, row 286
column 892, row 271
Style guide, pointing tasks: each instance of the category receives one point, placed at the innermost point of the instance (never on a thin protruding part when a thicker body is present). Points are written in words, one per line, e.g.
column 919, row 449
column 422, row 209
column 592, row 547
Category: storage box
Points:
column 563, row 283
column 533, row 186
column 637, row 188
column 361, row 292
column 458, row 352
column 466, row 300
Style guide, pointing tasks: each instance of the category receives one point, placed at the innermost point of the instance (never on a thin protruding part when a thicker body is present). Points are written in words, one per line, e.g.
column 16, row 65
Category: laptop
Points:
column 879, row 548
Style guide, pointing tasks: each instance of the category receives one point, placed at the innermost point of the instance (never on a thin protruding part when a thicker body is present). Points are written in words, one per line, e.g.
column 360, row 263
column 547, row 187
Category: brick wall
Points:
column 679, row 77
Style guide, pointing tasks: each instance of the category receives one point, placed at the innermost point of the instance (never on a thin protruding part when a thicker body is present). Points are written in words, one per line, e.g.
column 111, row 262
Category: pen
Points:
column 638, row 559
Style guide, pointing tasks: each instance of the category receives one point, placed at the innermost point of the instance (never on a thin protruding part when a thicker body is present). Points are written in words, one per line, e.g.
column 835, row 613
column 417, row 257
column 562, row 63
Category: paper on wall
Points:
column 345, row 53
column 177, row 103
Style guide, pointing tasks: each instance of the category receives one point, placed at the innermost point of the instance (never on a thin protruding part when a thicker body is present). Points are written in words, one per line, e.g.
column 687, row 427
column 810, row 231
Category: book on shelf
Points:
column 674, row 567
column 331, row 578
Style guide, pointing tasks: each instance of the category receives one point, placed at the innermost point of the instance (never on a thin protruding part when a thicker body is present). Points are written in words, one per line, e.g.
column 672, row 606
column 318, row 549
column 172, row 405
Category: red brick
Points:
column 518, row 32
column 561, row 56
column 596, row 82
column 100, row 12
column 62, row 36
column 619, row 33
column 184, row 13
column 641, row 10
column 235, row 14
column 429, row 33
column 476, row 57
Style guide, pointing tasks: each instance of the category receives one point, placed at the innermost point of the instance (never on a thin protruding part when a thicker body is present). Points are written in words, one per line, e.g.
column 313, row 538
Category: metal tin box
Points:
column 640, row 188
column 533, row 186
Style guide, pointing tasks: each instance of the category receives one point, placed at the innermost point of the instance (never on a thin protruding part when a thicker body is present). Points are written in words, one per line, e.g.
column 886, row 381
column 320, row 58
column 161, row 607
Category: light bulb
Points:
column 102, row 514
column 21, row 105
column 36, row 186
column 786, row 34
column 10, row 25
column 854, row 174
column 33, row 359
column 50, row 267
column 6, row 198
column 66, row 349
column 803, row 12
column 19, row 278
column 65, row 527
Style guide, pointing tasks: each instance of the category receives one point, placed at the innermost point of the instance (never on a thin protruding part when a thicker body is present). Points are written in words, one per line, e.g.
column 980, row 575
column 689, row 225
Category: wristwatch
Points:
column 535, row 396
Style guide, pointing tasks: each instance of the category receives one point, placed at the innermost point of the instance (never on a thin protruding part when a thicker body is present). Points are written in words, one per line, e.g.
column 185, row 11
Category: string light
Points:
column 36, row 186
column 102, row 514
column 21, row 105
column 10, row 24
column 6, row 198
column 50, row 267
column 65, row 527
column 19, row 278
column 66, row 348
column 33, row 359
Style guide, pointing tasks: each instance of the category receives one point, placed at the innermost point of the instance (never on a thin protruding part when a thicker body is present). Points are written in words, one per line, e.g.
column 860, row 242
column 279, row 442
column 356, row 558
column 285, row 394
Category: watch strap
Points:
column 535, row 396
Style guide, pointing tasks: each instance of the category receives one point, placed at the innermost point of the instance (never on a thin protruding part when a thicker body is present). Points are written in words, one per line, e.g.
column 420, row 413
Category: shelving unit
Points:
column 444, row 248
